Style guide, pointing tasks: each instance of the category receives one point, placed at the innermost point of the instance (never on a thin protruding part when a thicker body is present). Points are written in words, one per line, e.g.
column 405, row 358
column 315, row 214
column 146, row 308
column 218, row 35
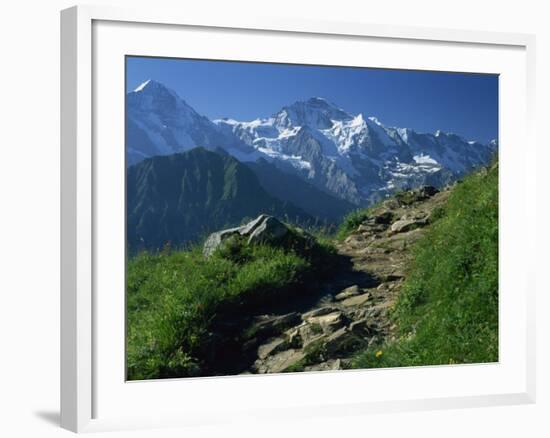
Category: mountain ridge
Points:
column 180, row 197
column 353, row 157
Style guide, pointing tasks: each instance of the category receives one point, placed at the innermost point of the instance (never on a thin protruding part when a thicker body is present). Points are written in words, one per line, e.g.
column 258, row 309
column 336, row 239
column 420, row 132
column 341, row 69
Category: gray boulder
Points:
column 217, row 238
column 405, row 224
column 268, row 230
column 263, row 229
column 249, row 228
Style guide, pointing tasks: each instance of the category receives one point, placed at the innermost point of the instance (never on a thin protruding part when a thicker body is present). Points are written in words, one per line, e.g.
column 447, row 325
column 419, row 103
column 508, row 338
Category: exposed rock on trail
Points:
column 352, row 309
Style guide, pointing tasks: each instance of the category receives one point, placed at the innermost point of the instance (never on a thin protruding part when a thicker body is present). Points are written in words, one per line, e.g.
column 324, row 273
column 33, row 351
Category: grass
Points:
column 176, row 298
column 181, row 306
column 447, row 311
column 352, row 220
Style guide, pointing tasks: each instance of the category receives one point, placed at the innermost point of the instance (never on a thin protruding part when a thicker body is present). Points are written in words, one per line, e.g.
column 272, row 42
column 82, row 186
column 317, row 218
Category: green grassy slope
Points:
column 176, row 301
column 447, row 311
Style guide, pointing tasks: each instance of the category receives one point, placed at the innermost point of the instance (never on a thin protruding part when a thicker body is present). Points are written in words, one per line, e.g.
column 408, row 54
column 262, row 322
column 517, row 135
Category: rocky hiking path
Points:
column 351, row 311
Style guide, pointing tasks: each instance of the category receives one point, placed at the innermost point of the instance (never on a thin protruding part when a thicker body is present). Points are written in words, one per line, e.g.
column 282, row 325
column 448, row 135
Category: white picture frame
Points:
column 86, row 375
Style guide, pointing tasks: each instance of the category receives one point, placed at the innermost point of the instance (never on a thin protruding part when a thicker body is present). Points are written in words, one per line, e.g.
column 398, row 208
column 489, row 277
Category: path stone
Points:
column 330, row 322
column 404, row 225
column 310, row 333
column 370, row 228
column 272, row 325
column 359, row 300
column 341, row 342
column 329, row 365
column 360, row 327
column 279, row 362
column 347, row 292
column 273, row 346
column 319, row 312
column 354, row 312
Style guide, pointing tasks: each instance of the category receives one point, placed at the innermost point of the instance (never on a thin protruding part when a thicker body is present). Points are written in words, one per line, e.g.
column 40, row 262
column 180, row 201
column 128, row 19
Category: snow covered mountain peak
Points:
column 152, row 94
column 159, row 122
column 150, row 86
column 354, row 157
column 315, row 112
column 141, row 86
column 451, row 137
column 376, row 121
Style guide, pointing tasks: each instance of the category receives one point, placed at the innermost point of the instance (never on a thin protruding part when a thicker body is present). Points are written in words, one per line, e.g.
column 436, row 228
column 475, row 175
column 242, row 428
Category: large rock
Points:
column 263, row 229
column 271, row 229
column 249, row 228
column 268, row 230
column 217, row 238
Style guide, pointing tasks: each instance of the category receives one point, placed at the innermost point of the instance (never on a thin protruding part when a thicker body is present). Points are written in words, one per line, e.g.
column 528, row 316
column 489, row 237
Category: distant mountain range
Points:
column 311, row 161
column 180, row 198
column 353, row 157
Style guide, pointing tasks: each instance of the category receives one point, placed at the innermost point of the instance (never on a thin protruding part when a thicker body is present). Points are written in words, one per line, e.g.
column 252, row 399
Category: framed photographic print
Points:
column 271, row 217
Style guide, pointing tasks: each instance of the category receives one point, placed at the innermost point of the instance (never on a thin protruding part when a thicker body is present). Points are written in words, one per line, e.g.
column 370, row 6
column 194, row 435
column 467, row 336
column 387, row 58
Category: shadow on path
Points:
column 231, row 358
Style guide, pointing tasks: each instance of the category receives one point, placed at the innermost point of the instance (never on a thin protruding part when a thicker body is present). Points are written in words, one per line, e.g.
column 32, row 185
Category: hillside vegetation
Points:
column 410, row 281
column 447, row 310
column 185, row 312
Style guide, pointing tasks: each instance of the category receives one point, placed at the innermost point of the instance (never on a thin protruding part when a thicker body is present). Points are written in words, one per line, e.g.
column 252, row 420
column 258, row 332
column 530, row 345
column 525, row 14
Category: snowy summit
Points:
column 354, row 157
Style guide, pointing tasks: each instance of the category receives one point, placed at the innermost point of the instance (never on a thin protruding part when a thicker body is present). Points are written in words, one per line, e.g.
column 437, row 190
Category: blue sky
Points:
column 466, row 104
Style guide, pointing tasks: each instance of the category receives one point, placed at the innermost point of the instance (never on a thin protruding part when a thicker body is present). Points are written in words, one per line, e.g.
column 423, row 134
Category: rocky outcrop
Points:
column 263, row 229
column 216, row 239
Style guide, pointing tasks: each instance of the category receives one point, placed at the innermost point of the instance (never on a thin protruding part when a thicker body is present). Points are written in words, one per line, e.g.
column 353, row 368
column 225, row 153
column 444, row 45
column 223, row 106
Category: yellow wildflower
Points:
column 378, row 354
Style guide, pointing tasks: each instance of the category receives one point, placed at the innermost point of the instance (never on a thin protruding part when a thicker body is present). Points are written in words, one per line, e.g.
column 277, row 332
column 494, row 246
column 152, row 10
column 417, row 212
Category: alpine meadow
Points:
column 290, row 218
